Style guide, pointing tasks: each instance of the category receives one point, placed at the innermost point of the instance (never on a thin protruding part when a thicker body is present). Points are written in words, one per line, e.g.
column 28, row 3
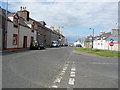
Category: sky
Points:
column 74, row 17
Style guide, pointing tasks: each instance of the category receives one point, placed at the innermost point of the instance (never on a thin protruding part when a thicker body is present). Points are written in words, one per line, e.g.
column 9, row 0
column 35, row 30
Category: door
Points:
column 25, row 42
column 32, row 38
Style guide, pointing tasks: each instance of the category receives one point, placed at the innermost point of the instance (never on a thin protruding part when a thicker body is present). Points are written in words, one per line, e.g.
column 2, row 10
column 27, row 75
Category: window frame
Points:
column 16, row 35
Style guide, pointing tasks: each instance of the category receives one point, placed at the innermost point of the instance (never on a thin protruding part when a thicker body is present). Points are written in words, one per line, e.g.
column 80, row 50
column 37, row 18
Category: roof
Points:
column 104, row 36
column 21, row 20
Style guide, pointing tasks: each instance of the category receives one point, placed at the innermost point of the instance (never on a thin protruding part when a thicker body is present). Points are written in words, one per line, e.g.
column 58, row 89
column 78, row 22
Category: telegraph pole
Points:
column 92, row 36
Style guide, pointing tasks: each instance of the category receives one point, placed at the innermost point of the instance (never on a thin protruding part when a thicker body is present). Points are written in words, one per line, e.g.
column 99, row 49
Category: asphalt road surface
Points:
column 58, row 68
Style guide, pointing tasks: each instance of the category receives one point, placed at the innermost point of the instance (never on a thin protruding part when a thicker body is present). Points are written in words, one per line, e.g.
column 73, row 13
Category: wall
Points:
column 106, row 45
column 11, row 31
column 99, row 44
column 0, row 30
column 0, row 38
column 23, row 31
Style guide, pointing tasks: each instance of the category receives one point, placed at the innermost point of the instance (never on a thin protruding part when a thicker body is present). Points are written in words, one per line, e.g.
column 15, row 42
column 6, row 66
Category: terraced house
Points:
column 19, row 30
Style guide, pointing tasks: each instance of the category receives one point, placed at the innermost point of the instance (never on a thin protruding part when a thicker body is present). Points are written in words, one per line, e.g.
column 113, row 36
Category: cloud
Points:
column 61, row 0
column 72, row 14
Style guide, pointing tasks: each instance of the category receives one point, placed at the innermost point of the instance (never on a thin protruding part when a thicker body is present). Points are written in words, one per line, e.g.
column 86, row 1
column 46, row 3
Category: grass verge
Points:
column 99, row 52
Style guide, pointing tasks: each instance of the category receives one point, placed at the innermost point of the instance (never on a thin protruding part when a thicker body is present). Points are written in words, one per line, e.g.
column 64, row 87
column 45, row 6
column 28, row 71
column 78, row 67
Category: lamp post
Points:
column 6, row 27
column 60, row 37
column 92, row 36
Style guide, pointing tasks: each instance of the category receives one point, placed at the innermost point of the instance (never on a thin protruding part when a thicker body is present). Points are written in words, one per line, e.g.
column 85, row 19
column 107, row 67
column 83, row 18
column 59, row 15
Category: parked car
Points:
column 54, row 44
column 37, row 45
column 65, row 44
column 78, row 45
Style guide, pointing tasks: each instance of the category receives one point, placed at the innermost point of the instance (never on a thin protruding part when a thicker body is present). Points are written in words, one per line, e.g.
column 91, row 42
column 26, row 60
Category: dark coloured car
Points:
column 37, row 45
column 78, row 45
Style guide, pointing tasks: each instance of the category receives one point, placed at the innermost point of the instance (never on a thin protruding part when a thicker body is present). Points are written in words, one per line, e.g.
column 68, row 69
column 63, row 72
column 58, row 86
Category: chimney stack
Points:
column 23, row 13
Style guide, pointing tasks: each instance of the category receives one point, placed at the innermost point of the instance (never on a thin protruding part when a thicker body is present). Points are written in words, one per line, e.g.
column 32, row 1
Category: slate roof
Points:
column 103, row 36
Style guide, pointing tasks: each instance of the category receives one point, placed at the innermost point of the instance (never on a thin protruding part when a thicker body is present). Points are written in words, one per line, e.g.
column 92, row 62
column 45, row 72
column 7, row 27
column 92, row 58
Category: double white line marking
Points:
column 60, row 76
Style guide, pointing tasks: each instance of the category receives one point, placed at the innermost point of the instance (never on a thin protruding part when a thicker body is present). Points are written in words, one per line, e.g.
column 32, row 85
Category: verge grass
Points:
column 99, row 52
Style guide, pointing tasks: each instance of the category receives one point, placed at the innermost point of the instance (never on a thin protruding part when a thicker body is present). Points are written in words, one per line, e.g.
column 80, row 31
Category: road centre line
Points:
column 54, row 86
column 102, row 63
column 58, row 79
column 60, row 76
column 72, row 74
column 73, row 69
column 71, row 81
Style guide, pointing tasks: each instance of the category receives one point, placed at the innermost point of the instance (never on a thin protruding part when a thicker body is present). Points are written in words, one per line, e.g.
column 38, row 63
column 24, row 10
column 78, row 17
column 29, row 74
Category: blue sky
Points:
column 76, row 17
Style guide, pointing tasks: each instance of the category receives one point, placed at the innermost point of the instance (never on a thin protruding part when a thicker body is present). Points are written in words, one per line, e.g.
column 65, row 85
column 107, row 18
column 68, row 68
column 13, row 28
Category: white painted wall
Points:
column 78, row 42
column 23, row 31
column 105, row 45
column 99, row 44
column 11, row 30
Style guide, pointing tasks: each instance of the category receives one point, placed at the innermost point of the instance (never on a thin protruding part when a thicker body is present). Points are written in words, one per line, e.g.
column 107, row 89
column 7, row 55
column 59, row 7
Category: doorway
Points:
column 25, row 42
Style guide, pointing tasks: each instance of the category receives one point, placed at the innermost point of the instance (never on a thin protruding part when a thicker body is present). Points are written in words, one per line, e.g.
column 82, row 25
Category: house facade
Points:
column 100, row 41
column 115, row 36
column 78, row 42
column 19, row 34
column 0, row 28
column 18, row 30
column 103, row 40
column 87, row 42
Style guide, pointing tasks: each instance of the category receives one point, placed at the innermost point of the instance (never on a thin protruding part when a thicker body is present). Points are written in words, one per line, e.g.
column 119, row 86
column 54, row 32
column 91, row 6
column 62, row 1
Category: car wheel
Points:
column 39, row 48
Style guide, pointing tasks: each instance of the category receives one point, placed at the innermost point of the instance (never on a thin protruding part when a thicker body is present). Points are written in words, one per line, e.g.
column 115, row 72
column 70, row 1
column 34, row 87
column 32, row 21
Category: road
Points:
column 58, row 68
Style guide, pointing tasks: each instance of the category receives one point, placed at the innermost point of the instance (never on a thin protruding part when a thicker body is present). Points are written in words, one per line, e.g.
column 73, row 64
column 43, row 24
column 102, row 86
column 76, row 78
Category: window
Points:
column 118, row 32
column 14, row 39
column 33, row 25
column 15, row 22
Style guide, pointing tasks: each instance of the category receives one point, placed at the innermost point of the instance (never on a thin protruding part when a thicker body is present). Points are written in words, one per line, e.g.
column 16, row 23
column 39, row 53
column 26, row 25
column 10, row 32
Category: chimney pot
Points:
column 25, row 8
column 21, row 8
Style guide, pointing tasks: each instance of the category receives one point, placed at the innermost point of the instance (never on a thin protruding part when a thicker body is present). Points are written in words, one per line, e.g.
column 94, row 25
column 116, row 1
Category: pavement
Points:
column 58, row 68
column 7, row 52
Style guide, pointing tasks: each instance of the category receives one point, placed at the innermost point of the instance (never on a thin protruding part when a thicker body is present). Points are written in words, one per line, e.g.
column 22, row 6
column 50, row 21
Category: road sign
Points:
column 111, row 40
column 111, row 44
column 5, row 31
column 90, row 40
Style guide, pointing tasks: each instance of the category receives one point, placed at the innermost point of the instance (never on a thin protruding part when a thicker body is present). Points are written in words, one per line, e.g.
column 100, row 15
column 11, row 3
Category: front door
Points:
column 32, row 38
column 25, row 42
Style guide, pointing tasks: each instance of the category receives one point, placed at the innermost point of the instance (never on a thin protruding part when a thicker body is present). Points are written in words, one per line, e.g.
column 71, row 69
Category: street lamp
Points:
column 60, row 37
column 92, row 36
column 60, row 29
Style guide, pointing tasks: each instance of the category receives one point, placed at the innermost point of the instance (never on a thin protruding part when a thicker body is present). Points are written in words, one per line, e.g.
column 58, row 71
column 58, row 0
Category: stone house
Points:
column 87, row 42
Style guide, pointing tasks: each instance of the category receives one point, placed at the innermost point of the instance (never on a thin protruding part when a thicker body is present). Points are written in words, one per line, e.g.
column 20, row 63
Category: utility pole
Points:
column 92, row 36
column 6, row 26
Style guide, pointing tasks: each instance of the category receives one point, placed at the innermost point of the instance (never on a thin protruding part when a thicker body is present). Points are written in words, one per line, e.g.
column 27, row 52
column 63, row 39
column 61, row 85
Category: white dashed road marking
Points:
column 73, row 69
column 71, row 81
column 102, row 63
column 72, row 74
column 58, row 79
column 60, row 76
column 54, row 86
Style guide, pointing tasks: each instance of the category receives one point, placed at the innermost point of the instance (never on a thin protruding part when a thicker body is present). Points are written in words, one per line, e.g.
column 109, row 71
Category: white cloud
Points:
column 61, row 0
column 73, row 14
